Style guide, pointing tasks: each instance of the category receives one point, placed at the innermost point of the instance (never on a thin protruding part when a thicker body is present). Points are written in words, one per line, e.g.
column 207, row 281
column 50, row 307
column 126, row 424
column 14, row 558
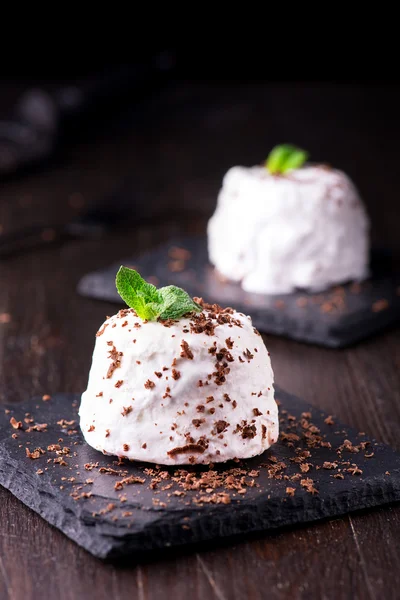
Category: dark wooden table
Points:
column 181, row 143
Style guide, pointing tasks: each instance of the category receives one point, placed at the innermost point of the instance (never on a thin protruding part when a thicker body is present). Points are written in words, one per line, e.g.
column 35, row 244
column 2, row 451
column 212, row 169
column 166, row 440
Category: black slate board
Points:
column 151, row 519
column 337, row 318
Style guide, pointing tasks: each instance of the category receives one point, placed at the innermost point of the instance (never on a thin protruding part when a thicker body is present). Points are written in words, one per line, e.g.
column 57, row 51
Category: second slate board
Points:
column 337, row 318
column 318, row 469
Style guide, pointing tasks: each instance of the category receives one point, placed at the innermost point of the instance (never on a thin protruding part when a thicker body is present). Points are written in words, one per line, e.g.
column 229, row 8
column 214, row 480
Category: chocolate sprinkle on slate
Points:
column 15, row 424
column 326, row 469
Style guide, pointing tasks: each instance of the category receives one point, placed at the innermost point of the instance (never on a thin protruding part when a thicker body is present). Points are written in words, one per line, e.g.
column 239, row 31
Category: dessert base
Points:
column 318, row 469
column 337, row 318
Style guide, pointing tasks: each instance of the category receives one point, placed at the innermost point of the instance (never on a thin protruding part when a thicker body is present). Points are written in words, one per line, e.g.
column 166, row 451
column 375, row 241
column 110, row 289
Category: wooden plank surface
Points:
column 46, row 347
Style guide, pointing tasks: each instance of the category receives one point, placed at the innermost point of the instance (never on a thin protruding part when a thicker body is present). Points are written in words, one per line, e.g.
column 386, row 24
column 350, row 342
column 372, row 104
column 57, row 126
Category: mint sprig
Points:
column 284, row 158
column 150, row 303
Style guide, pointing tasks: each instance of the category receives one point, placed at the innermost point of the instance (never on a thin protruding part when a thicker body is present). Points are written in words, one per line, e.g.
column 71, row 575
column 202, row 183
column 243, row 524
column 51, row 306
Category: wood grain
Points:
column 182, row 143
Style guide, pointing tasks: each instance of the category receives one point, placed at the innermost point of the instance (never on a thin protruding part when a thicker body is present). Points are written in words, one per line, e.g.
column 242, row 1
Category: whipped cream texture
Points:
column 194, row 390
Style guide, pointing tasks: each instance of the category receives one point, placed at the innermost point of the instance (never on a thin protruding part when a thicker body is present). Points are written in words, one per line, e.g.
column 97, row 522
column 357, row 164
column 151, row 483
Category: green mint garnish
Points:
column 150, row 303
column 285, row 158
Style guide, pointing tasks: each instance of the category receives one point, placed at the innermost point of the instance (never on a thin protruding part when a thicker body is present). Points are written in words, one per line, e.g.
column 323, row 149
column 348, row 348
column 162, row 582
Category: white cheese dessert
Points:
column 278, row 232
column 196, row 389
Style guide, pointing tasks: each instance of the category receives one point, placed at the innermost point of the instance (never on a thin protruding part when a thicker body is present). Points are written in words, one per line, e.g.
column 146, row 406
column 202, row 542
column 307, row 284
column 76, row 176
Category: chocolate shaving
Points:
column 186, row 351
column 176, row 374
column 116, row 361
column 248, row 354
column 229, row 343
column 186, row 449
column 102, row 330
column 15, row 424
column 220, row 426
column 249, row 431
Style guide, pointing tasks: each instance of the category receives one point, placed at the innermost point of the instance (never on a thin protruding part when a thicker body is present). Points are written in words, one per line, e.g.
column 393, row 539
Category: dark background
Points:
column 235, row 102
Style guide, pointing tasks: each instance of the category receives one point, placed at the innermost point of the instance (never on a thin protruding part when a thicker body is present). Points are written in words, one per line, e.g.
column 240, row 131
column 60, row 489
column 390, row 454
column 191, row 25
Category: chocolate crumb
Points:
column 256, row 412
column 229, row 343
column 119, row 383
column 354, row 470
column 248, row 354
column 102, row 330
column 149, row 385
column 15, row 424
column 175, row 374
column 116, row 361
column 308, row 484
column 158, row 374
column 126, row 410
column 329, row 465
column 221, row 426
column 186, row 351
column 35, row 454
column 126, row 447
column 249, row 431
column 187, row 448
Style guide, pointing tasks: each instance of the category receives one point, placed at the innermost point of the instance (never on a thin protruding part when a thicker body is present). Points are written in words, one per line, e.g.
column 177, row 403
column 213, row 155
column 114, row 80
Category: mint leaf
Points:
column 150, row 303
column 176, row 302
column 143, row 297
column 284, row 158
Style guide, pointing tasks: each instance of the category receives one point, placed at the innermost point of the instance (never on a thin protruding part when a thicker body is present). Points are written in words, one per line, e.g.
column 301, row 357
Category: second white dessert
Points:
column 305, row 229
